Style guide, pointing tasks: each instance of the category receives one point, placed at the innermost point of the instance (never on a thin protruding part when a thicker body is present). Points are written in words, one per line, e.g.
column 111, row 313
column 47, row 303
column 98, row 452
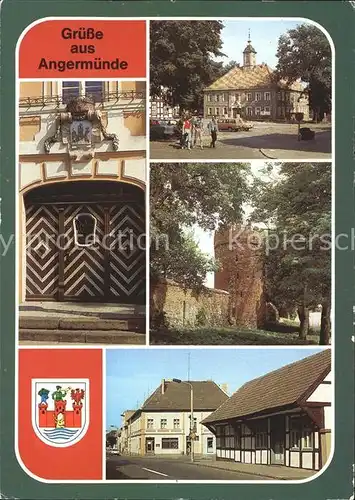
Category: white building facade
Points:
column 162, row 426
column 166, row 433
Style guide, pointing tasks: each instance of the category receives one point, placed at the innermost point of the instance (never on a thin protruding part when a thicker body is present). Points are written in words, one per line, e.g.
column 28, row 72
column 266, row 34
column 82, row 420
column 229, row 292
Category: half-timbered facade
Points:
column 82, row 149
column 283, row 418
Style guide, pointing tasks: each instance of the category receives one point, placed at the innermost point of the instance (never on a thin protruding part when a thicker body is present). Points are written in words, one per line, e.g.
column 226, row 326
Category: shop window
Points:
column 84, row 230
column 170, row 443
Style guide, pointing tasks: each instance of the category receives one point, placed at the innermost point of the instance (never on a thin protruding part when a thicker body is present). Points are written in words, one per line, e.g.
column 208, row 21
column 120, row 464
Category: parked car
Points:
column 163, row 129
column 233, row 125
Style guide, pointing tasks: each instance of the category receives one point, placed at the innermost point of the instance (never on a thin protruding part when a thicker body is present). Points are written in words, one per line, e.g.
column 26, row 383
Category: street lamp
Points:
column 192, row 437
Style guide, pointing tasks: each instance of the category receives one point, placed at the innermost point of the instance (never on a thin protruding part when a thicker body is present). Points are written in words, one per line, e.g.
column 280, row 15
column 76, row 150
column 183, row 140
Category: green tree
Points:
column 111, row 439
column 181, row 60
column 183, row 196
column 304, row 52
column 297, row 207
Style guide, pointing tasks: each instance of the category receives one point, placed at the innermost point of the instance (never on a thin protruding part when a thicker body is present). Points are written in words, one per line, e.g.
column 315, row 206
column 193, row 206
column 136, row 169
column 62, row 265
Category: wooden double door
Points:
column 91, row 251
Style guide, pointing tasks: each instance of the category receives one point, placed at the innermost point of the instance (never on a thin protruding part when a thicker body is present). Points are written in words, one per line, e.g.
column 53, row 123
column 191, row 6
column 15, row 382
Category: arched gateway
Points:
column 85, row 241
column 81, row 206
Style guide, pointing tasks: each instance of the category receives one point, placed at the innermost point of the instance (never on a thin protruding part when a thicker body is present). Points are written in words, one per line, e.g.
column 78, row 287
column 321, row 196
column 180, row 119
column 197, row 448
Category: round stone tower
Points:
column 239, row 252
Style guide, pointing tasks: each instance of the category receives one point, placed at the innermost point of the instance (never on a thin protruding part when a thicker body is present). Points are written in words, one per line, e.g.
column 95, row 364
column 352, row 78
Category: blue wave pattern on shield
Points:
column 60, row 434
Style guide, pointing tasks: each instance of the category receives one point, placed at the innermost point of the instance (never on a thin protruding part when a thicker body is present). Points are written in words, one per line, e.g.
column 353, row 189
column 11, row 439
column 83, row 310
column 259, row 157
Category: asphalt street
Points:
column 264, row 141
column 122, row 467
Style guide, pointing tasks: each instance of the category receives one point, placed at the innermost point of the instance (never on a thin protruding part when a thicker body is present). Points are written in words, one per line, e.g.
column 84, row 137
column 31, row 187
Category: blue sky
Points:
column 264, row 37
column 133, row 374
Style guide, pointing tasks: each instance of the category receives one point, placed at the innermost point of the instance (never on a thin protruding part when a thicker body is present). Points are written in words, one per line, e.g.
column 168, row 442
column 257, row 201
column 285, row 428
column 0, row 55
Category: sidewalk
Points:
column 271, row 471
column 278, row 472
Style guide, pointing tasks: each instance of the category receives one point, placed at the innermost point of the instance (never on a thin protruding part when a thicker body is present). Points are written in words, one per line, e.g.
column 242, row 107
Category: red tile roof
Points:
column 260, row 76
column 207, row 396
column 282, row 387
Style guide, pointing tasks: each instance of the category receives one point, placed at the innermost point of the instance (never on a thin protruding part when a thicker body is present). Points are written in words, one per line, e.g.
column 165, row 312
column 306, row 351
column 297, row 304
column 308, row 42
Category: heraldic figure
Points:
column 77, row 396
column 60, row 405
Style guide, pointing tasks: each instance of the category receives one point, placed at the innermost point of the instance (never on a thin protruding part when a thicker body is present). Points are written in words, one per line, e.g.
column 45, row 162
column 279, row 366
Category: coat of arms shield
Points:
column 60, row 410
column 80, row 132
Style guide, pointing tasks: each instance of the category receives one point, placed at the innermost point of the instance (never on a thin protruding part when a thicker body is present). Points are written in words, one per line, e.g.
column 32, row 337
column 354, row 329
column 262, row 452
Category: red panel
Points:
column 82, row 460
column 122, row 43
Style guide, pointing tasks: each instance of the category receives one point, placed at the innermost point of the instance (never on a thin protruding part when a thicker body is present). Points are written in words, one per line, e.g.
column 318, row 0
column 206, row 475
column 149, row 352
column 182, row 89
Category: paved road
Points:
column 120, row 467
column 264, row 141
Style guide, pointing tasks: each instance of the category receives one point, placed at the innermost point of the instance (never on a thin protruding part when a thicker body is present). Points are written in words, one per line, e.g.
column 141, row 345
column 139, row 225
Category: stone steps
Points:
column 82, row 336
column 129, row 330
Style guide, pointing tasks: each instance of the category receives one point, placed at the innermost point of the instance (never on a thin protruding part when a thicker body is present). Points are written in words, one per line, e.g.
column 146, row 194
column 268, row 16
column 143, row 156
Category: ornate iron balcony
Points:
column 99, row 98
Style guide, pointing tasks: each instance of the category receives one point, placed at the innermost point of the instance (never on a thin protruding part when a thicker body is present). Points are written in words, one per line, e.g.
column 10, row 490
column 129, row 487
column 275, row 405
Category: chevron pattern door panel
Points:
column 126, row 260
column 84, row 266
column 41, row 251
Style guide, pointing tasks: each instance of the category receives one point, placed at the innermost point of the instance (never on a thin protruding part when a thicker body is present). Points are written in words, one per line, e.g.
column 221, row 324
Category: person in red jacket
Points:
column 187, row 133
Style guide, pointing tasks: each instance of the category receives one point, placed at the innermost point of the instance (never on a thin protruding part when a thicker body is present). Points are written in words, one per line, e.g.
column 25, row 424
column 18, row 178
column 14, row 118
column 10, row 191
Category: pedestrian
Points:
column 187, row 132
column 198, row 132
column 213, row 128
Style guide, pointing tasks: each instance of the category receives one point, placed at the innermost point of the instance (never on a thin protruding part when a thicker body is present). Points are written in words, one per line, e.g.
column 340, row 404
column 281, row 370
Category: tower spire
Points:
column 249, row 54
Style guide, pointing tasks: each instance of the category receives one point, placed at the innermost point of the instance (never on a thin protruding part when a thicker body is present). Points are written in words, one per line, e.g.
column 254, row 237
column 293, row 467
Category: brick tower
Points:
column 239, row 253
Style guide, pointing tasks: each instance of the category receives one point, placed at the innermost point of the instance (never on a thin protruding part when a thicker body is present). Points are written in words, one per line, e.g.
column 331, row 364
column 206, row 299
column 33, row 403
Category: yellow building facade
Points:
column 81, row 191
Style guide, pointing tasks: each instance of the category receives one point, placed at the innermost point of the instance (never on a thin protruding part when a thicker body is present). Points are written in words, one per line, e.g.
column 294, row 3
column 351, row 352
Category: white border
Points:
column 86, row 407
column 104, row 347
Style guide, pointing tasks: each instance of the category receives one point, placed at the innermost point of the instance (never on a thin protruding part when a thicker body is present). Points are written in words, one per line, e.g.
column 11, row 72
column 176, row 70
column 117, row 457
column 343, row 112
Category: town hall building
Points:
column 251, row 91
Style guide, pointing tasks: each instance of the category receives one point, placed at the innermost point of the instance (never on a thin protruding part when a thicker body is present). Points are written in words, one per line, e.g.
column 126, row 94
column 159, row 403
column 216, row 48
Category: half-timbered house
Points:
column 282, row 418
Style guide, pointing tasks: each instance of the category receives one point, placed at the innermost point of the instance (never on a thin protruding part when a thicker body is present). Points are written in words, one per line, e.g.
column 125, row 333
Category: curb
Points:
column 250, row 473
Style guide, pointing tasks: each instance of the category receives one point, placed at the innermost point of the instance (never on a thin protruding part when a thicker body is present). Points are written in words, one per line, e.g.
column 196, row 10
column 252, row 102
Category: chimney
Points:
column 224, row 388
column 163, row 386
